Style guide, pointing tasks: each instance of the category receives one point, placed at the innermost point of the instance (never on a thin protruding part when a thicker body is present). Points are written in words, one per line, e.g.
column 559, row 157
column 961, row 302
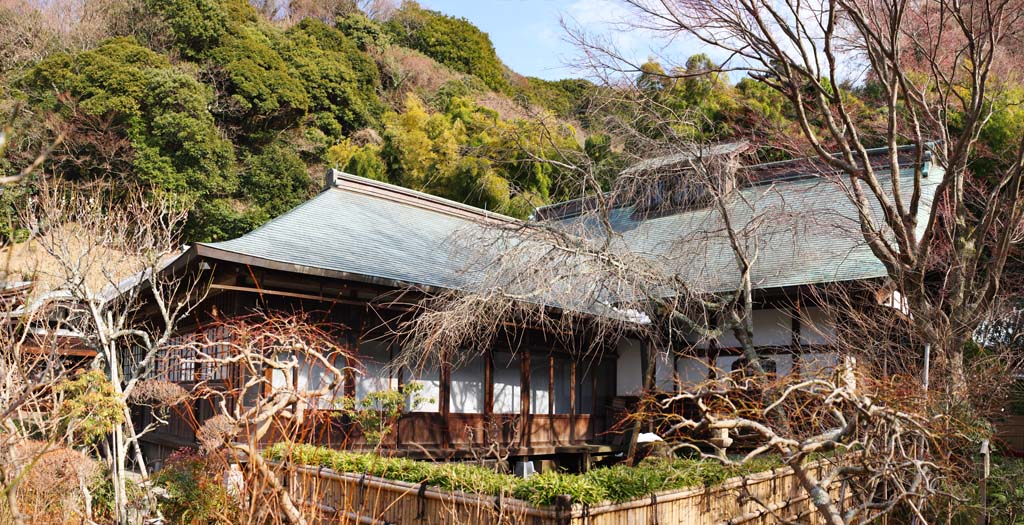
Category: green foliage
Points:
column 195, row 491
column 454, row 42
column 234, row 111
column 366, row 33
column 156, row 127
column 363, row 161
column 341, row 81
column 1005, row 501
column 617, row 484
column 89, row 408
column 542, row 489
column 159, row 111
column 102, row 490
column 276, row 180
column 198, row 25
column 567, row 97
column 377, row 412
column 258, row 88
column 420, row 148
column 1006, row 491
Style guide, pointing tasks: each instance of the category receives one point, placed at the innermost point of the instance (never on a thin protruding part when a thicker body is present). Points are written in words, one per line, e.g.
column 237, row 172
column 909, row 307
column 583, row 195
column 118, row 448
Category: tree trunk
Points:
column 819, row 495
column 291, row 512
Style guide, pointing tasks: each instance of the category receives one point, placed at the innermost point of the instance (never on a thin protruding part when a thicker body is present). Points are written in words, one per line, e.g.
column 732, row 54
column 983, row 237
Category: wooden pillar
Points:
column 796, row 346
column 572, row 401
column 488, row 385
column 551, row 383
column 444, row 403
column 524, row 398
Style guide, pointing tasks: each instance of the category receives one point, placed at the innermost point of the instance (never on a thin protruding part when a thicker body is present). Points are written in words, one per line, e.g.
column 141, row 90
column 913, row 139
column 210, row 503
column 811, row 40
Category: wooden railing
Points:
column 764, row 498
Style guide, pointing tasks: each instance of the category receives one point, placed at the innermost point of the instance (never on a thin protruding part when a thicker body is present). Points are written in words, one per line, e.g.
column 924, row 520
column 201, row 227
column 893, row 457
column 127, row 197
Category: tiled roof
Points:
column 802, row 226
column 805, row 230
column 364, row 230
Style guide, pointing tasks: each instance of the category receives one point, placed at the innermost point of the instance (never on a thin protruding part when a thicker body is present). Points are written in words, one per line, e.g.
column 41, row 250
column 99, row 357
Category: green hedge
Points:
column 616, row 484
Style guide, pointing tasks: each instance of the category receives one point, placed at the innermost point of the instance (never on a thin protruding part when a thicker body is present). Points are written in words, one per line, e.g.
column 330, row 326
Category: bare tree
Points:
column 106, row 255
column 939, row 70
column 267, row 376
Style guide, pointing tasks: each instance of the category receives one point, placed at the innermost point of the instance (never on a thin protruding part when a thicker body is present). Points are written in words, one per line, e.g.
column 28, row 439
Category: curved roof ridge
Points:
column 337, row 179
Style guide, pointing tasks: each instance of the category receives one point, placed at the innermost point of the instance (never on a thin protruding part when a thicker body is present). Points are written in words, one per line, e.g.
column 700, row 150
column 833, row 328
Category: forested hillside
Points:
column 243, row 112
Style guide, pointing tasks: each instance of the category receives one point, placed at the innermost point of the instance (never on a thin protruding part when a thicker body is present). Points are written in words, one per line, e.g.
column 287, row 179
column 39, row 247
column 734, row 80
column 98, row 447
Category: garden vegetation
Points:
column 616, row 484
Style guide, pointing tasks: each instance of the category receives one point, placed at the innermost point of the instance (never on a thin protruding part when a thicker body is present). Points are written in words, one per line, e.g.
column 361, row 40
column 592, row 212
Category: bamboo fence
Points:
column 764, row 498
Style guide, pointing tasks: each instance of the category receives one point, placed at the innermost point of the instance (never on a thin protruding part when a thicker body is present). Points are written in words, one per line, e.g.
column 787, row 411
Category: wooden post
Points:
column 551, row 383
column 444, row 403
column 488, row 385
column 524, row 398
column 983, row 488
column 572, row 401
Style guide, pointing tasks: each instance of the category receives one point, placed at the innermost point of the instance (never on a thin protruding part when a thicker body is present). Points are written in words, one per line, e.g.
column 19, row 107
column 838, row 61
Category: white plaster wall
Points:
column 772, row 327
column 507, row 383
column 467, row 392
column 723, row 364
column 427, row 399
column 629, row 379
column 728, row 340
column 664, row 372
column 815, row 327
column 783, row 364
column 373, row 376
column 692, row 371
column 816, row 364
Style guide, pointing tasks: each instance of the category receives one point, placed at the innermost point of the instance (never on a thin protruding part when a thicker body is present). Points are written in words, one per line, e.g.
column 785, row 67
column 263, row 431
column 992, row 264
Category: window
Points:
column 508, row 373
column 540, row 385
column 374, row 375
column 181, row 363
column 563, row 386
column 816, row 328
column 467, row 392
column 215, row 346
column 427, row 398
column 313, row 376
column 692, row 371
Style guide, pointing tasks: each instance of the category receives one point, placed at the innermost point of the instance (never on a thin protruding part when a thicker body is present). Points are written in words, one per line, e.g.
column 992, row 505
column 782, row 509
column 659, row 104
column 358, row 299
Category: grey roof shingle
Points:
column 368, row 231
column 805, row 231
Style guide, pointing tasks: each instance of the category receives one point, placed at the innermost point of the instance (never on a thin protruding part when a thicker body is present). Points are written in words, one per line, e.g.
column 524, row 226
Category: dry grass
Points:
column 29, row 261
column 51, row 489
column 407, row 70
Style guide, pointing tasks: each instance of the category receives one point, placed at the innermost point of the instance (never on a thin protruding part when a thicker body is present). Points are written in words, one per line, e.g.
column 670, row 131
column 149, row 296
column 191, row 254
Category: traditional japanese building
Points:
column 347, row 252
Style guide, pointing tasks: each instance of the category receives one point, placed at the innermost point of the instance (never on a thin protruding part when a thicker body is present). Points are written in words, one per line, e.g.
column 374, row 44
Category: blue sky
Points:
column 529, row 39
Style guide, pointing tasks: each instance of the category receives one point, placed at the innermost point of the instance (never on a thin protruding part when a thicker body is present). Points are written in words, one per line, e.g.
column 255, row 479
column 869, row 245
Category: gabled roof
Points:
column 363, row 230
column 805, row 231
column 796, row 216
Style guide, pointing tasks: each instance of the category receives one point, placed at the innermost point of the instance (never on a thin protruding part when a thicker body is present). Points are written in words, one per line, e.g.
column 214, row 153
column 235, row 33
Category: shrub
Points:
column 542, row 489
column 276, row 179
column 377, row 412
column 156, row 125
column 90, row 407
column 617, row 484
column 454, row 42
column 195, row 492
